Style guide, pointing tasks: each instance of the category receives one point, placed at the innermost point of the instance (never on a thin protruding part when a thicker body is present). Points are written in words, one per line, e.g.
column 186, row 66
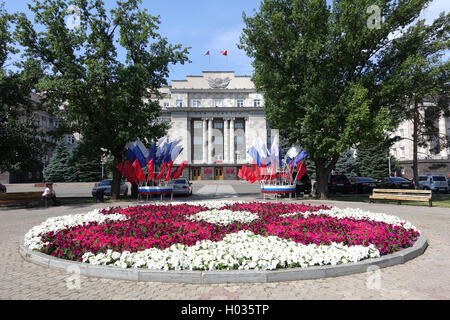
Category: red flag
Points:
column 224, row 52
column 161, row 174
column 128, row 172
column 301, row 170
column 169, row 168
column 207, row 53
column 150, row 170
column 177, row 173
column 120, row 168
column 138, row 171
column 256, row 171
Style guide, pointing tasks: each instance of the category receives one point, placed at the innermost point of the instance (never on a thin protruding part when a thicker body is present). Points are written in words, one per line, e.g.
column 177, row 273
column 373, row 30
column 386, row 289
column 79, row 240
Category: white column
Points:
column 231, row 140
column 226, row 141
column 210, row 141
column 205, row 140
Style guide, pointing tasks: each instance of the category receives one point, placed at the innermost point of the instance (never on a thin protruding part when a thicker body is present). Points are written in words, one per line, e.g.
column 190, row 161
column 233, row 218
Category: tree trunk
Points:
column 415, row 142
column 322, row 173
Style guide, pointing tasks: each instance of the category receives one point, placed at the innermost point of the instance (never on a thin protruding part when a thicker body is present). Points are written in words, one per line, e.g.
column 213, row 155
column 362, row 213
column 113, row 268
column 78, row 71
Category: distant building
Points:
column 46, row 123
column 217, row 116
column 433, row 159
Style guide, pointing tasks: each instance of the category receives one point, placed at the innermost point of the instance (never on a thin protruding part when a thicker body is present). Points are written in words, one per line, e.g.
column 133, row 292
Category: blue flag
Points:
column 152, row 153
column 302, row 155
column 140, row 157
column 130, row 155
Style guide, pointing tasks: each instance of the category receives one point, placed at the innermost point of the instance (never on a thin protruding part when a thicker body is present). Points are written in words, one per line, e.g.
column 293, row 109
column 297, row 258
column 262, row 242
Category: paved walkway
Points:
column 426, row 277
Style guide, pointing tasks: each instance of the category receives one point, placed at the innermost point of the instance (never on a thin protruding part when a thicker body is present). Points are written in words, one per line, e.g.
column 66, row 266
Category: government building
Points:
column 217, row 116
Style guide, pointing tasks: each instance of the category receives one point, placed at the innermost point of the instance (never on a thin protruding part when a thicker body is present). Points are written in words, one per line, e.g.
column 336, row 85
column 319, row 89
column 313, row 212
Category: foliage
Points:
column 347, row 165
column 372, row 160
column 323, row 71
column 87, row 168
column 108, row 101
column 61, row 167
column 18, row 132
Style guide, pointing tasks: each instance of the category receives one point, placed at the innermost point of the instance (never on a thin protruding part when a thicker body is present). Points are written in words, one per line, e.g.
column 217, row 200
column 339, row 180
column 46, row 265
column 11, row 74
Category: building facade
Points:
column 432, row 159
column 216, row 116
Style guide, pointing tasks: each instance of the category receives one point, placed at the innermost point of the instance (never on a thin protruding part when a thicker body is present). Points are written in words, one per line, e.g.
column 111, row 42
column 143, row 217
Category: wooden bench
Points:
column 401, row 194
column 20, row 197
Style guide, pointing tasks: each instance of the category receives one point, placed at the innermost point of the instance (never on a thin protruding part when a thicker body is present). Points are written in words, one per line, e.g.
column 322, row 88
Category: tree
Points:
column 323, row 69
column 87, row 168
column 373, row 160
column 18, row 132
column 61, row 167
column 108, row 101
column 347, row 164
column 424, row 76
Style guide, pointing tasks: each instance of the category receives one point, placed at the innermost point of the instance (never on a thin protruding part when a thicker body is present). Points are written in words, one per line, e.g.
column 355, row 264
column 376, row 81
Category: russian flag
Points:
column 207, row 53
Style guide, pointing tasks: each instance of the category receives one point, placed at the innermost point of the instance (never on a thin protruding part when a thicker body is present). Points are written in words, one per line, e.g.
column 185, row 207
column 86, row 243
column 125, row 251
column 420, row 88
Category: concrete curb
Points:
column 234, row 276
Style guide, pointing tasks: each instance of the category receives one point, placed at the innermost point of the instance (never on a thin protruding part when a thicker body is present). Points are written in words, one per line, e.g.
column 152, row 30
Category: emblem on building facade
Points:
column 218, row 83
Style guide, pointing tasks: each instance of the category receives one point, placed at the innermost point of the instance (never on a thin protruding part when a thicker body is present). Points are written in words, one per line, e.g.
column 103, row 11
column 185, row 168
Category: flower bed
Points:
column 222, row 236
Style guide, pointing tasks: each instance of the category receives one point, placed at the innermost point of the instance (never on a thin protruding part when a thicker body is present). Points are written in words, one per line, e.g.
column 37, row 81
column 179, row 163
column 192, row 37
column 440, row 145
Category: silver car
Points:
column 181, row 186
column 105, row 185
column 433, row 182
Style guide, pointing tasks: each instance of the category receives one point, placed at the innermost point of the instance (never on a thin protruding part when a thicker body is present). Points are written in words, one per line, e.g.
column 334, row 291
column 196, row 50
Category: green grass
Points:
column 439, row 200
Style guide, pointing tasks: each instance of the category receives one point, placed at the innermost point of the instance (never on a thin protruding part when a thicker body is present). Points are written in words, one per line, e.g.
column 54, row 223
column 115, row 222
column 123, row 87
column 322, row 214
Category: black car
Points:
column 396, row 183
column 339, row 183
column 2, row 188
column 304, row 185
column 363, row 184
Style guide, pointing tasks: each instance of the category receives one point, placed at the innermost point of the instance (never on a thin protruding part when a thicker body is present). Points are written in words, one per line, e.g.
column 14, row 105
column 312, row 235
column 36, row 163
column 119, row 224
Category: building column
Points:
column 210, row 141
column 205, row 139
column 247, row 140
column 226, row 141
column 231, row 141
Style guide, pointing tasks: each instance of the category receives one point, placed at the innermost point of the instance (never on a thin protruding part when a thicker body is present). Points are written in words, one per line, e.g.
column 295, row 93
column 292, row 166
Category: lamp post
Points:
column 389, row 162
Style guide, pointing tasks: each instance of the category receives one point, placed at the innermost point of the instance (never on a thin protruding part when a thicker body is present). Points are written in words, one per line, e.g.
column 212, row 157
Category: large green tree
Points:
column 347, row 164
column 322, row 70
column 18, row 131
column 109, row 100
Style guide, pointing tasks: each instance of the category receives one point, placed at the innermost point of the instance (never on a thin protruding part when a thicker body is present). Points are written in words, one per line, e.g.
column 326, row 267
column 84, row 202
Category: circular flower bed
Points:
column 222, row 236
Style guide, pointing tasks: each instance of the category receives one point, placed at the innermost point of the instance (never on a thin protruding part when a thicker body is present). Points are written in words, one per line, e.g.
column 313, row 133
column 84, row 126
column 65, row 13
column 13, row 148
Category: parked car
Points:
column 363, row 184
column 105, row 185
column 339, row 183
column 2, row 188
column 181, row 186
column 433, row 182
column 396, row 183
column 304, row 185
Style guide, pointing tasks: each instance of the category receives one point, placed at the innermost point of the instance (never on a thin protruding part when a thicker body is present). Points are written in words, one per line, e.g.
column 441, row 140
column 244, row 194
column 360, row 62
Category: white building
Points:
column 216, row 116
column 431, row 161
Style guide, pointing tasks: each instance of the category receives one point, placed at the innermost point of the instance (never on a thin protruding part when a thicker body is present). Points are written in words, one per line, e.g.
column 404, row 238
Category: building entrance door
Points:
column 218, row 174
column 196, row 174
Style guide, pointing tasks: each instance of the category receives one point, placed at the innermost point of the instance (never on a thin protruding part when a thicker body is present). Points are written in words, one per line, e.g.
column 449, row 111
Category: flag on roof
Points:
column 224, row 52
column 207, row 53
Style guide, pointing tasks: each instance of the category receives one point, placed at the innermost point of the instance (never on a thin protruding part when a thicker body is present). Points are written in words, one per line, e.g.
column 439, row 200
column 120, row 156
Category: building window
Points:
column 195, row 103
column 394, row 152
column 57, row 123
column 240, row 103
column 218, row 125
column 198, row 140
column 402, row 152
column 218, row 103
column 198, row 125
column 70, row 139
column 257, row 103
column 179, row 103
column 166, row 105
column 239, row 125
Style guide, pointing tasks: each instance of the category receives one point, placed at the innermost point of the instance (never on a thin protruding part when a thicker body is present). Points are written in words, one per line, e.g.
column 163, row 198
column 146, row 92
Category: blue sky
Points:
column 213, row 25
